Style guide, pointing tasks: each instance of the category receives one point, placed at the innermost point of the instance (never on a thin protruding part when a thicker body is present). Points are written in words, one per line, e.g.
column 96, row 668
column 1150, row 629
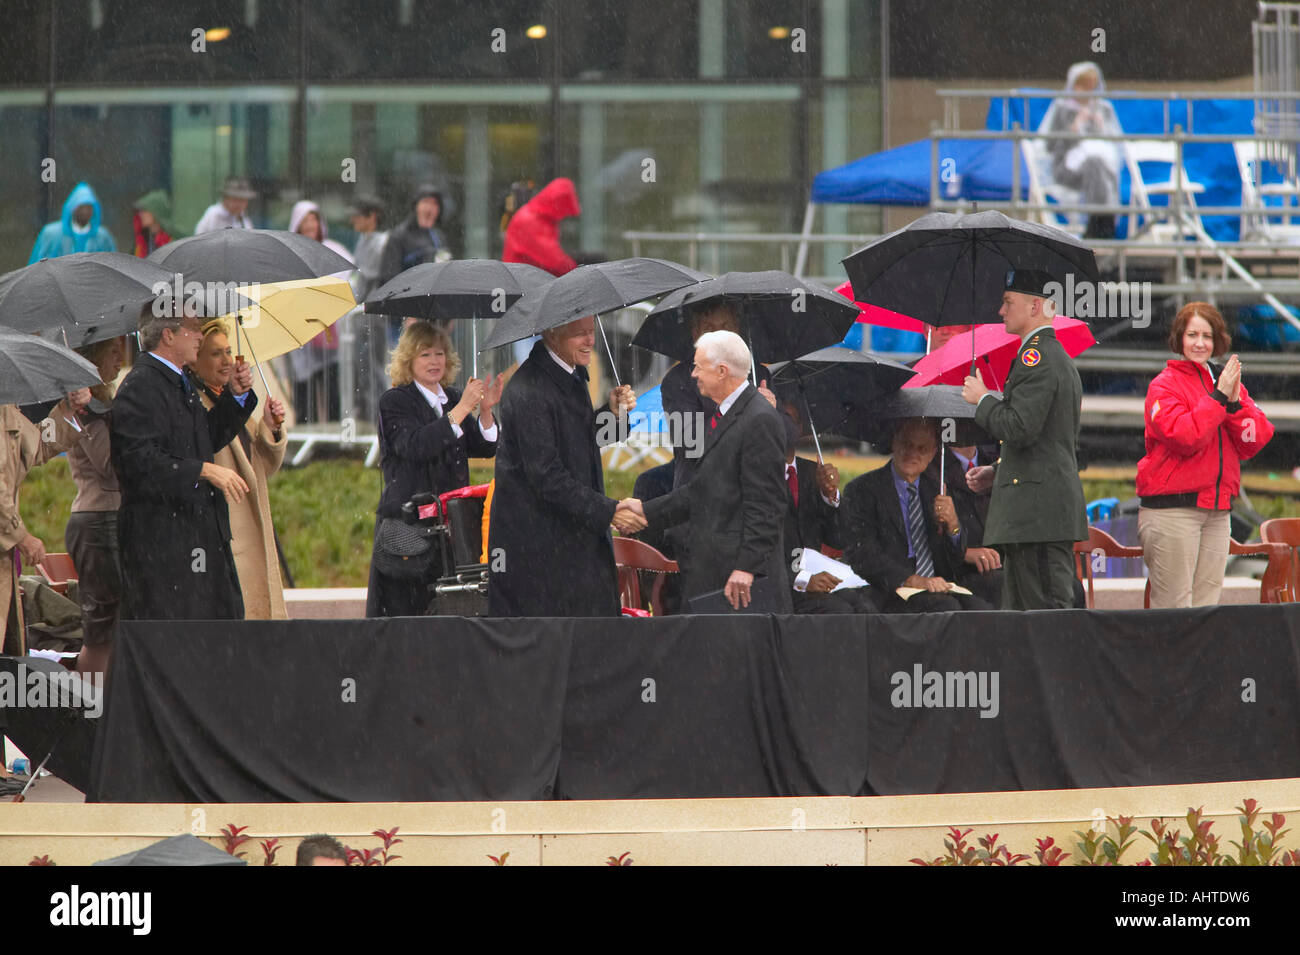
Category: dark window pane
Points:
column 129, row 41
column 763, row 39
column 22, row 194
column 428, row 39
column 613, row 39
column 24, row 43
column 185, row 148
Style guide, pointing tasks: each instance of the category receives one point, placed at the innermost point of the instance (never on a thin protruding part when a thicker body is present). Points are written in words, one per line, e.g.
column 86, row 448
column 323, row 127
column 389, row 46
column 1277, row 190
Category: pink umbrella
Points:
column 994, row 349
column 874, row 315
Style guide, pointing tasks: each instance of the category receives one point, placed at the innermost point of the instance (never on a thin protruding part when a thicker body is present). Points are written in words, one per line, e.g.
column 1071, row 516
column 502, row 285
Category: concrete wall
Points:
column 814, row 831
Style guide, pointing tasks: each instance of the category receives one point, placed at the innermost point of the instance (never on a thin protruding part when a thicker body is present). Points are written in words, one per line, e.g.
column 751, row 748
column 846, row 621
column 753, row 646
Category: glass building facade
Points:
column 738, row 103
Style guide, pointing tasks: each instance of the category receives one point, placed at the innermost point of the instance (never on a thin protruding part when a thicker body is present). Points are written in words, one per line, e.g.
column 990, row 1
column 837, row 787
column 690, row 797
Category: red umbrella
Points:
column 874, row 315
column 995, row 349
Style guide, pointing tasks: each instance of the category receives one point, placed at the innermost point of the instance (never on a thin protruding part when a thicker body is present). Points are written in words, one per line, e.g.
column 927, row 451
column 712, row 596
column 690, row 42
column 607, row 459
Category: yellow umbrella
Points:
column 287, row 315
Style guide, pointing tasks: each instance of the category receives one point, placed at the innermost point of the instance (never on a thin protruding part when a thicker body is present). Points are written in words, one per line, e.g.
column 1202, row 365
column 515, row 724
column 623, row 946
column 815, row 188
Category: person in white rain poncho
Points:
column 1087, row 166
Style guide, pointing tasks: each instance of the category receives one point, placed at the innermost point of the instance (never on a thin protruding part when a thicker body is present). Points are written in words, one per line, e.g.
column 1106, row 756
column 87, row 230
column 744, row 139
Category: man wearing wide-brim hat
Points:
column 230, row 212
column 1037, row 510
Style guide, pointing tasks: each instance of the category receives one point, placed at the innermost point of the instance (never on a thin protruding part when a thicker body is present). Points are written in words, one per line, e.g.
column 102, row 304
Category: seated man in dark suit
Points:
column 812, row 499
column 981, row 569
column 900, row 532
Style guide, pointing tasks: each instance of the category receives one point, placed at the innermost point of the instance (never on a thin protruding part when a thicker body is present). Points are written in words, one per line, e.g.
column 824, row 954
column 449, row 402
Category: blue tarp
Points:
column 980, row 171
column 1212, row 164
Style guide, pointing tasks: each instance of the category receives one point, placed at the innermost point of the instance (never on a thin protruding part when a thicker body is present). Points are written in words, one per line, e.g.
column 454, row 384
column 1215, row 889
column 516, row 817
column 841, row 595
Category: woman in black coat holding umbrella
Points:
column 427, row 434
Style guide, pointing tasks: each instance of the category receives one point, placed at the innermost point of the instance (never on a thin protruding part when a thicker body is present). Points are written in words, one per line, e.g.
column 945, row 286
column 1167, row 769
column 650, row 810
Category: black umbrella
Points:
column 231, row 257
column 33, row 370
column 590, row 290
column 182, row 850
column 948, row 269
column 942, row 402
column 838, row 385
column 80, row 298
column 781, row 316
column 249, row 255
column 461, row 288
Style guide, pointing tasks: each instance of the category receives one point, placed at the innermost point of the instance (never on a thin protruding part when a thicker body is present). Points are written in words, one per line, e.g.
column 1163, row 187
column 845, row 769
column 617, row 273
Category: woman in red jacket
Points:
column 1200, row 426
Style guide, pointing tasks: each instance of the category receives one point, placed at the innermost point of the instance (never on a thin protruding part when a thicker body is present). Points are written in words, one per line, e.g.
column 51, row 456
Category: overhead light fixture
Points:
column 536, row 32
column 778, row 33
column 216, row 34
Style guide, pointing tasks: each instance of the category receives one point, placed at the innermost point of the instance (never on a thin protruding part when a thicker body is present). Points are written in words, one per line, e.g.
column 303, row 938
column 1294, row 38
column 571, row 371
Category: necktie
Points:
column 713, row 422
column 916, row 533
column 792, row 479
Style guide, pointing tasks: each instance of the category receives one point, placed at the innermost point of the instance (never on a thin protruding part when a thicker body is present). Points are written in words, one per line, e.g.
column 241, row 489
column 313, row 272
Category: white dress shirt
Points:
column 568, row 369
column 730, row 400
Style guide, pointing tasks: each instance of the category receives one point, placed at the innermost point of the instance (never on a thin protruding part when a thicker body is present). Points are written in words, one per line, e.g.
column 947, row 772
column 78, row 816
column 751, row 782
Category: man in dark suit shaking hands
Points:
column 736, row 500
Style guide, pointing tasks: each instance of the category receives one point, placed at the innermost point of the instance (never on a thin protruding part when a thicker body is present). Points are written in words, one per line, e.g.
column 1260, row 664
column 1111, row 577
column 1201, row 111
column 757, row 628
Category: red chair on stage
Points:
column 1099, row 540
column 1272, row 586
column 632, row 557
column 1285, row 531
column 57, row 570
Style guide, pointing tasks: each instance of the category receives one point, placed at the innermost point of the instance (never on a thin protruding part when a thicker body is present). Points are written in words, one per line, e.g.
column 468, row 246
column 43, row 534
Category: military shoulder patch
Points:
column 1031, row 357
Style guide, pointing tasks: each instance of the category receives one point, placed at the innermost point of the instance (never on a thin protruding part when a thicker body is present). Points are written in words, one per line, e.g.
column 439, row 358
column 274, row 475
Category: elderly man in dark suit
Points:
column 899, row 531
column 174, row 526
column 679, row 393
column 549, row 547
column 736, row 500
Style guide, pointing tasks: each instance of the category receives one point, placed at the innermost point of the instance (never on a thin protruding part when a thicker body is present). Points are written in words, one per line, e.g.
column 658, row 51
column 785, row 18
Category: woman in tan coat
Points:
column 255, row 455
column 23, row 446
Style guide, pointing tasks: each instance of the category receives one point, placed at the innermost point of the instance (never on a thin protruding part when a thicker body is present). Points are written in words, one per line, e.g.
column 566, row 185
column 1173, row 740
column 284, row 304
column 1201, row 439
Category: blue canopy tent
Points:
column 975, row 169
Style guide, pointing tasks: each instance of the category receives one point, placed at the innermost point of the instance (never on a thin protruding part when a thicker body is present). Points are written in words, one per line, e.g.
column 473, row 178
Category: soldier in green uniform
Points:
column 1037, row 510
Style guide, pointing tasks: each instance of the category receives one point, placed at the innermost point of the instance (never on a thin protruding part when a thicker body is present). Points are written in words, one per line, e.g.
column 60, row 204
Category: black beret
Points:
column 1029, row 281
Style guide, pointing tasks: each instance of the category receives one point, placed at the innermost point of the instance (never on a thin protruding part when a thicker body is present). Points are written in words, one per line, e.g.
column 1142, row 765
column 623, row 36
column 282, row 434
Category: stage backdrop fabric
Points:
column 423, row 709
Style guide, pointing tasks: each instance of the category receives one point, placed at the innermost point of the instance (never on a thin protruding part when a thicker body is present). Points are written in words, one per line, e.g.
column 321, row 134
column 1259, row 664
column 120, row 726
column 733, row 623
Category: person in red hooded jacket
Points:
column 533, row 233
column 1200, row 425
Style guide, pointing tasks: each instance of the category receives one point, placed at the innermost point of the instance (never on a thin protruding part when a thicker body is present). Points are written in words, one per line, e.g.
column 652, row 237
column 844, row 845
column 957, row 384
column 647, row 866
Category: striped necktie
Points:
column 916, row 533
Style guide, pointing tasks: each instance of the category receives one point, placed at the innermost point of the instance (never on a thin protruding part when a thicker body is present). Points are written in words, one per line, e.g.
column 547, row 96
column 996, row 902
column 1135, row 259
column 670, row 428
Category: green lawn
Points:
column 325, row 512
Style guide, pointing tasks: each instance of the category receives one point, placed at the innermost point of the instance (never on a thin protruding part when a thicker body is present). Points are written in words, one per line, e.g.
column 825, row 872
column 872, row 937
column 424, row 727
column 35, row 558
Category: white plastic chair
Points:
column 1255, row 193
column 1044, row 190
column 1156, row 222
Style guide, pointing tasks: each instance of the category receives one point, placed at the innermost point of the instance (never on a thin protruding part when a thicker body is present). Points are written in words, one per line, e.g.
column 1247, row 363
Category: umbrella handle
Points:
column 608, row 353
column 258, row 366
column 811, row 427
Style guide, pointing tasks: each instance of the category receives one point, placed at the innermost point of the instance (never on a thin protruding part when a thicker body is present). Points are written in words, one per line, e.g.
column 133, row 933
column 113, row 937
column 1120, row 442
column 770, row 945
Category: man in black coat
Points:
column 892, row 544
column 174, row 525
column 735, row 502
column 549, row 547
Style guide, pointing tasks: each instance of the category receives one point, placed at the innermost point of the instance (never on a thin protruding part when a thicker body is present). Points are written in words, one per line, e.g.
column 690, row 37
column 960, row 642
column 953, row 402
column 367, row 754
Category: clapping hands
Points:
column 1230, row 379
column 629, row 516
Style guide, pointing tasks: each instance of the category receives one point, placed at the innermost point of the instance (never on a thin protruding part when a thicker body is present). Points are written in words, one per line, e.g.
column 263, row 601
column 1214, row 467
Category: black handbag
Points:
column 404, row 551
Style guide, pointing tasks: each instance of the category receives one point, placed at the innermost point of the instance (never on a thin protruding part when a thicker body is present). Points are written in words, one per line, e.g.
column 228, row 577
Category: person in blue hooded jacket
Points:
column 77, row 231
